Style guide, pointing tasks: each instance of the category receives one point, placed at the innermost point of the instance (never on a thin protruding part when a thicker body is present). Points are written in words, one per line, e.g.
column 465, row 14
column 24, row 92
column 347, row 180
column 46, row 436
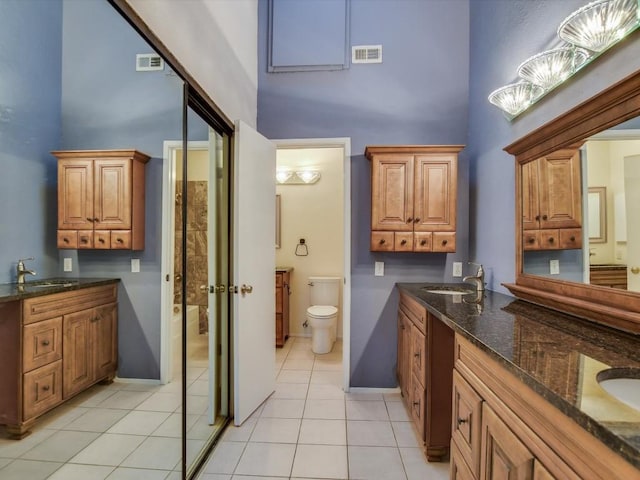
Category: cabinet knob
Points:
column 410, row 219
column 45, row 343
column 550, row 239
column 444, row 242
column 532, row 240
column 382, row 241
column 101, row 240
column 65, row 240
column 46, row 388
column 403, row 242
column 417, row 355
column 537, row 217
column 84, row 240
column 416, row 220
column 544, row 217
column 462, row 421
column 416, row 404
column 89, row 219
column 119, row 240
column 635, row 270
column 573, row 239
column 96, row 219
column 423, row 242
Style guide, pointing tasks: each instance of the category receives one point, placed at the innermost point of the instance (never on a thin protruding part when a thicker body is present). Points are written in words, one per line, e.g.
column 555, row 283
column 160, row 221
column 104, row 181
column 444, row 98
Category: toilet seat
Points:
column 322, row 311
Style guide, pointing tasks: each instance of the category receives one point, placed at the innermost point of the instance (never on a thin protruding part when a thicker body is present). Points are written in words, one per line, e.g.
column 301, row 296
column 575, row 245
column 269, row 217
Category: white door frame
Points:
column 345, row 144
column 168, row 246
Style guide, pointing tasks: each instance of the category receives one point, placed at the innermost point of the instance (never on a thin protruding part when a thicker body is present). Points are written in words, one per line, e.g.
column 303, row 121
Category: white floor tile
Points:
column 253, row 477
column 418, row 469
column 291, row 391
column 14, row 449
column 199, row 387
column 140, row 423
column 361, row 410
column 92, row 397
column 325, row 392
column 398, row 412
column 294, row 376
column 324, row 409
column 381, row 463
column 392, row 397
column 108, row 449
column 155, row 452
column 28, row 469
column 283, row 408
column 298, row 364
column 60, row 416
column 60, row 446
column 241, row 433
column 225, row 457
column 323, row 432
column 124, row 399
column 196, row 405
column 140, row 386
column 322, row 461
column 323, row 376
column 201, row 430
column 406, row 434
column 276, row 430
column 172, row 426
column 121, row 473
column 217, row 476
column 5, row 461
column 96, row 420
column 364, row 396
column 303, row 354
column 370, row 433
column 269, row 459
column 81, row 472
column 331, row 364
column 161, row 402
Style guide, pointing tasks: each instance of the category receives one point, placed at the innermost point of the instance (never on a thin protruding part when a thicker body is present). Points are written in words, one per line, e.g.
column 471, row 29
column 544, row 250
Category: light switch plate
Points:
column 68, row 265
column 457, row 269
column 135, row 265
column 554, row 267
column 379, row 269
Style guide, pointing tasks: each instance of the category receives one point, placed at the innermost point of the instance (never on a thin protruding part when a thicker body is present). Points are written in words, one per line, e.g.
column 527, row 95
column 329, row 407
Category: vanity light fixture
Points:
column 588, row 32
column 297, row 177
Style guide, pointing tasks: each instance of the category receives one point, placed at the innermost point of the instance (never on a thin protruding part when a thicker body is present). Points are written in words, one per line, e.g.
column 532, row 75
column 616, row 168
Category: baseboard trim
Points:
column 374, row 390
column 141, row 381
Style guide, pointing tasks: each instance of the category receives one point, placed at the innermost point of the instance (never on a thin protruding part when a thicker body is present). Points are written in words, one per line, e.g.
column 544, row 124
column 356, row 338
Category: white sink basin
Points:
column 624, row 386
column 450, row 292
column 448, row 289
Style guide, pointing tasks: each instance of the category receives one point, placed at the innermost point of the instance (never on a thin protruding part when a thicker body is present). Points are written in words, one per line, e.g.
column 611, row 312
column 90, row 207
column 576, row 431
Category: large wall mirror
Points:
column 578, row 191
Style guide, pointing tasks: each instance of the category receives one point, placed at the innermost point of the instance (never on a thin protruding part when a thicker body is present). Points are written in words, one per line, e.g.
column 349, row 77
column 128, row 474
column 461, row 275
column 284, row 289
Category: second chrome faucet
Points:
column 22, row 271
column 477, row 279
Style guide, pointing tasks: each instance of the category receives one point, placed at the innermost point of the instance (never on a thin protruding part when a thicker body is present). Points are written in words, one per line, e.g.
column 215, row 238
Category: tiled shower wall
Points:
column 197, row 263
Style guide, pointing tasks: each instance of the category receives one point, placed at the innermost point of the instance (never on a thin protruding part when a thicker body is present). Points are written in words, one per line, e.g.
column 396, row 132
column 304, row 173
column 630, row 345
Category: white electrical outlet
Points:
column 68, row 265
column 135, row 265
column 379, row 269
column 554, row 267
column 457, row 269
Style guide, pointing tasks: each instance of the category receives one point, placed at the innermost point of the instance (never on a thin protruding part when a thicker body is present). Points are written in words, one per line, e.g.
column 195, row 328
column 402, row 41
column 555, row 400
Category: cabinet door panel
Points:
column 459, row 469
column 76, row 352
column 42, row 389
column 113, row 194
column 466, row 422
column 560, row 178
column 418, row 353
column 504, row 456
column 104, row 336
column 392, row 193
column 435, row 193
column 75, row 195
column 530, row 196
column 42, row 343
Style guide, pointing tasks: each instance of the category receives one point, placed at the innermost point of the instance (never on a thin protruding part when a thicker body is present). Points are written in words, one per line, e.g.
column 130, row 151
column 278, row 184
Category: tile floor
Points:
column 310, row 429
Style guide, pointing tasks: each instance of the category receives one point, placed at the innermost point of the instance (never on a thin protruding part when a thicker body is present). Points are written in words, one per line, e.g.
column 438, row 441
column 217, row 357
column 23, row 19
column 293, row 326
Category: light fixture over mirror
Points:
column 582, row 36
column 297, row 177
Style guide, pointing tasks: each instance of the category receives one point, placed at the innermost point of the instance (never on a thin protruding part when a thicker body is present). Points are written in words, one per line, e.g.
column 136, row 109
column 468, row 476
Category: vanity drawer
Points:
column 549, row 239
column 403, row 242
column 42, row 389
column 531, row 240
column 444, row 242
column 418, row 406
column 418, row 354
column 121, row 239
column 85, row 238
column 102, row 239
column 422, row 241
column 42, row 343
column 416, row 312
column 382, row 241
column 570, row 238
column 67, row 239
column 466, row 421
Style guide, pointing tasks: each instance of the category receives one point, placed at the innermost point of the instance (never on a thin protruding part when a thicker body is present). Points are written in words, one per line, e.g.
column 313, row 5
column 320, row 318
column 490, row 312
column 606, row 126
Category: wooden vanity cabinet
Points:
column 551, row 202
column 54, row 346
column 424, row 368
column 502, row 429
column 413, row 197
column 282, row 307
column 101, row 199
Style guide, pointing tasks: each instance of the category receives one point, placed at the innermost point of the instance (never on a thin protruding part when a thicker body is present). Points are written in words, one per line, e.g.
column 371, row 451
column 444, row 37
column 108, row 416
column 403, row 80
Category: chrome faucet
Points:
column 22, row 271
column 477, row 279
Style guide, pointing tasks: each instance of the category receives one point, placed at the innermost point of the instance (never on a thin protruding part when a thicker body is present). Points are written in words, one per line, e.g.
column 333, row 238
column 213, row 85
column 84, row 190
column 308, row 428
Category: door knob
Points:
column 635, row 270
column 244, row 289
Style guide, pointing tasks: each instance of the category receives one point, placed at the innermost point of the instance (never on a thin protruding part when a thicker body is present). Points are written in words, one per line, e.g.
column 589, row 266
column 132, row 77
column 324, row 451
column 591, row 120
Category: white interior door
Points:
column 632, row 205
column 254, row 270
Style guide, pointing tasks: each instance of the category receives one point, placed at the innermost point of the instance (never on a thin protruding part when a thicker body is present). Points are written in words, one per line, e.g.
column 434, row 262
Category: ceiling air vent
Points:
column 366, row 54
column 147, row 62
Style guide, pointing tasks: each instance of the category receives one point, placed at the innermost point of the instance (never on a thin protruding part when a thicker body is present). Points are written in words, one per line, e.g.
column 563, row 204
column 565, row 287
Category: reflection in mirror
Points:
column 586, row 238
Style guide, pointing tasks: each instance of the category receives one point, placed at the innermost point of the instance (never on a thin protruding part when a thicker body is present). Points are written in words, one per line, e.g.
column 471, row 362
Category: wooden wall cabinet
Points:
column 501, row 429
column 413, row 197
column 424, row 369
column 54, row 346
column 551, row 202
column 282, row 306
column 614, row 276
column 101, row 199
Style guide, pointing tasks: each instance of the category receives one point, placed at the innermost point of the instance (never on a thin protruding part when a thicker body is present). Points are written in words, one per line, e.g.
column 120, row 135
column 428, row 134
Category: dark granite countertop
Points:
column 12, row 291
column 514, row 332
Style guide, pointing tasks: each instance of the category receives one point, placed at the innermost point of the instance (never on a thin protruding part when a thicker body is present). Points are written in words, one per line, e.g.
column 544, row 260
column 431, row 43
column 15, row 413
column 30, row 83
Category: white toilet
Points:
column 322, row 315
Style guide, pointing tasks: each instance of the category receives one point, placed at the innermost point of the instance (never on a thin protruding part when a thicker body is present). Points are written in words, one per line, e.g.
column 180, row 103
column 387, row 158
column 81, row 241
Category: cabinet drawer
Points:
column 570, row 238
column 403, row 242
column 417, row 406
column 121, row 239
column 444, row 242
column 418, row 355
column 382, row 241
column 278, row 300
column 422, row 241
column 67, row 239
column 85, row 238
column 416, row 312
column 42, row 343
column 466, row 421
column 549, row 239
column 102, row 239
column 49, row 306
column 278, row 280
column 459, row 469
column 42, row 389
column 531, row 240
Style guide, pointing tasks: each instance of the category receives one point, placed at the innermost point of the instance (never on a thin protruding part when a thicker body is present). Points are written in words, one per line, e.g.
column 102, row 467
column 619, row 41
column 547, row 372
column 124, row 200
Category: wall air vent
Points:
column 366, row 54
column 147, row 62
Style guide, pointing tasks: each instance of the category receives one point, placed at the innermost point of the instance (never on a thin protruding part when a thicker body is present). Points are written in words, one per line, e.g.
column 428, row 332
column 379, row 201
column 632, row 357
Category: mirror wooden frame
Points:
column 616, row 308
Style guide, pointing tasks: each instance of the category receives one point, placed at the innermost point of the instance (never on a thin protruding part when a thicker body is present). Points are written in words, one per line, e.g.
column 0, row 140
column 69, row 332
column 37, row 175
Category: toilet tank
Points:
column 325, row 291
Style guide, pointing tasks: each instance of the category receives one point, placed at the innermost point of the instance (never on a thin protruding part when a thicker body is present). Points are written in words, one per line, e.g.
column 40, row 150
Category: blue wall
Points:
column 503, row 34
column 418, row 95
column 30, row 52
